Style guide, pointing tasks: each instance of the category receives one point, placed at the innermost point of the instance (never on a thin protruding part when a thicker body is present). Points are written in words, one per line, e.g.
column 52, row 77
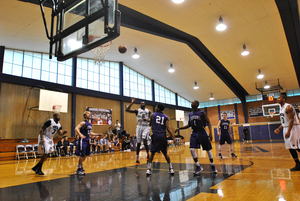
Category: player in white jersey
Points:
column 46, row 135
column 291, row 129
column 142, row 129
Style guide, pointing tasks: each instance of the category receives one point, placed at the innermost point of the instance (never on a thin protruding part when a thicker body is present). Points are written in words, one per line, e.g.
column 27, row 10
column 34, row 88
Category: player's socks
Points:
column 220, row 155
column 137, row 157
column 197, row 163
column 149, row 166
column 170, row 165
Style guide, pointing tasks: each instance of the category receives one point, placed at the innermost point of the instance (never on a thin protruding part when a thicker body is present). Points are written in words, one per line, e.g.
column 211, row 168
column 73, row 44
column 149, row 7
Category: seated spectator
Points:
column 126, row 144
column 60, row 146
column 110, row 134
column 133, row 137
column 104, row 144
column 67, row 145
column 75, row 143
column 170, row 140
column 178, row 135
column 93, row 144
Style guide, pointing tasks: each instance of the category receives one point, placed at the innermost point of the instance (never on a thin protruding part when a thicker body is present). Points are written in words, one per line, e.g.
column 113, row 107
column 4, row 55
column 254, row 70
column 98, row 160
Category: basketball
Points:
column 122, row 49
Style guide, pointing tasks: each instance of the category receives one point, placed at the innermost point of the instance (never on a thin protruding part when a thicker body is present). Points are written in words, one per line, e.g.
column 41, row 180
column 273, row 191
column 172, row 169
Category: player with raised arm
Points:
column 142, row 129
column 291, row 129
column 45, row 139
column 160, row 122
column 224, row 131
column 84, row 130
column 197, row 121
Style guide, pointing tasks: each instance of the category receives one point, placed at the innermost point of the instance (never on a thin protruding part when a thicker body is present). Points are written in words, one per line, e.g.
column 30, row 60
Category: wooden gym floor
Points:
column 261, row 172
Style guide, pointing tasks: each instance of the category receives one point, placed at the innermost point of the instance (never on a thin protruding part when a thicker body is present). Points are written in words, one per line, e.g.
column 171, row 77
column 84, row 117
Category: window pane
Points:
column 7, row 68
column 17, row 70
column 8, row 56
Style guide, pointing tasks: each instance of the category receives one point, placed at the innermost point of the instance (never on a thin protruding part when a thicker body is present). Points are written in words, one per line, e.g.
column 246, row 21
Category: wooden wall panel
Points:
column 240, row 113
column 88, row 101
column 213, row 115
column 19, row 122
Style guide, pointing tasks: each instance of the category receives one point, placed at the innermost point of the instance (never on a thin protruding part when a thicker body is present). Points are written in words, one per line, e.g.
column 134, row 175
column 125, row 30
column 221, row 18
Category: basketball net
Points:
column 99, row 53
column 272, row 114
column 56, row 108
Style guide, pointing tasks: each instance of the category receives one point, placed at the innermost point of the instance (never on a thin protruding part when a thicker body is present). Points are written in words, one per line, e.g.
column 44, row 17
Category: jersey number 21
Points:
column 160, row 120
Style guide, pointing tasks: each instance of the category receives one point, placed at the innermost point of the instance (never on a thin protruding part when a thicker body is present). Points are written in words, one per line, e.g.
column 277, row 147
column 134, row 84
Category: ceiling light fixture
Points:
column 135, row 55
column 171, row 69
column 244, row 52
column 178, row 1
column 211, row 97
column 266, row 86
column 260, row 76
column 196, row 86
column 221, row 26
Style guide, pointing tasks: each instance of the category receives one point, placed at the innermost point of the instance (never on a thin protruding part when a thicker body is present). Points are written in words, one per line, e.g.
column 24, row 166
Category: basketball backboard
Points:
column 179, row 115
column 271, row 108
column 48, row 99
column 82, row 25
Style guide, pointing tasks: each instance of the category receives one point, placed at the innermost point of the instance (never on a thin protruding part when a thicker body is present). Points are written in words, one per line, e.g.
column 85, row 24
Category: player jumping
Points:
column 142, row 129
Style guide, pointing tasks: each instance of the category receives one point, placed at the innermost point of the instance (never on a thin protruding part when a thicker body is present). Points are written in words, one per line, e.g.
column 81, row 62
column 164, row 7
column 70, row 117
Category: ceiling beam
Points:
column 138, row 21
column 289, row 14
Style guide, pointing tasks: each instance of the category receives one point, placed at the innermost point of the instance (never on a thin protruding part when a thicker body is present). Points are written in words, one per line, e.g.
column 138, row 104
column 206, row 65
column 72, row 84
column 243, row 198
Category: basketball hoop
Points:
column 56, row 108
column 99, row 53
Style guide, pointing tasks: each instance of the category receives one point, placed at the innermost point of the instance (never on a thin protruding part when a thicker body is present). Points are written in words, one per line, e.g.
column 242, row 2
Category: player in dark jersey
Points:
column 224, row 133
column 160, row 122
column 47, row 132
column 84, row 130
column 198, row 120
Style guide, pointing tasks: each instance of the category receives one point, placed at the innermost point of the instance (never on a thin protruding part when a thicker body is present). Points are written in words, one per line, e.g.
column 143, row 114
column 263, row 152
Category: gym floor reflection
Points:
column 261, row 172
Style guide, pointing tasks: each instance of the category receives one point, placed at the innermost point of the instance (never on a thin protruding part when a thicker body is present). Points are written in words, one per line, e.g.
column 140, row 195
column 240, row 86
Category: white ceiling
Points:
column 255, row 23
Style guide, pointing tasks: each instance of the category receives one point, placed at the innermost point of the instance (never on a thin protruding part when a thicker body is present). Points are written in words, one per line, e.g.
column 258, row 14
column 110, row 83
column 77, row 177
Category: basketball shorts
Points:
column 293, row 142
column 83, row 148
column 200, row 138
column 225, row 138
column 47, row 146
column 142, row 132
column 159, row 143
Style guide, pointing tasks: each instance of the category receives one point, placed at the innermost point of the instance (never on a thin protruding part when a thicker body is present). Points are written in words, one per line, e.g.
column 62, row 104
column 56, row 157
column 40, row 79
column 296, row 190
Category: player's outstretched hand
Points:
column 132, row 99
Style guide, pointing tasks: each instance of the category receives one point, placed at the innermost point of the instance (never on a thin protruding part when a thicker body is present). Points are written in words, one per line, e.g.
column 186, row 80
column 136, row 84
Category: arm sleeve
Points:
column 47, row 123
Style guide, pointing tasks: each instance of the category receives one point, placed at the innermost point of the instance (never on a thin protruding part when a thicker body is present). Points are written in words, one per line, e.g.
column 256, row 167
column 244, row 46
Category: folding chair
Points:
column 36, row 149
column 54, row 152
column 20, row 149
column 30, row 150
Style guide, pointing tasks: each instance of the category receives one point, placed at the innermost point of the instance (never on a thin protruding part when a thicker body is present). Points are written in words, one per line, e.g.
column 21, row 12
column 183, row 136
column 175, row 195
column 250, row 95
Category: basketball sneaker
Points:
column 213, row 169
column 198, row 170
column 220, row 155
column 171, row 171
column 148, row 172
column 79, row 172
column 137, row 163
column 39, row 171
column 296, row 168
column 233, row 155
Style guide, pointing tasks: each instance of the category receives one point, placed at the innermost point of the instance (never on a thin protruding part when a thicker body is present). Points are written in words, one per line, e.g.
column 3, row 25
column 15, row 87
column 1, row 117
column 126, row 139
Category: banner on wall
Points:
column 255, row 112
column 100, row 116
column 230, row 114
